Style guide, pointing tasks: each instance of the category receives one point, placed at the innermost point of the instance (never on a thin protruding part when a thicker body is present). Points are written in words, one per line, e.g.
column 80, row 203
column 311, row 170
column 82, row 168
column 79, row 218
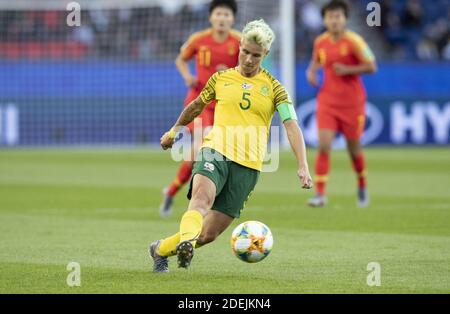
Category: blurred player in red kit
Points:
column 344, row 56
column 214, row 49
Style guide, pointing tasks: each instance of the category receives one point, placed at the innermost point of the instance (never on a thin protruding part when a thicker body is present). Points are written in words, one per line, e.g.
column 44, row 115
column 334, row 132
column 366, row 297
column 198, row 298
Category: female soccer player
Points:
column 214, row 49
column 227, row 170
column 344, row 56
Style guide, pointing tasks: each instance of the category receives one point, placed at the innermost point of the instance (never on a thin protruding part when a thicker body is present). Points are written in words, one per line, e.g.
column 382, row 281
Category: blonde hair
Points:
column 259, row 33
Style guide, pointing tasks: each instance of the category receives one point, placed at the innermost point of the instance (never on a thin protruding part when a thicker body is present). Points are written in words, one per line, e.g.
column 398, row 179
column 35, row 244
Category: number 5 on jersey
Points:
column 245, row 103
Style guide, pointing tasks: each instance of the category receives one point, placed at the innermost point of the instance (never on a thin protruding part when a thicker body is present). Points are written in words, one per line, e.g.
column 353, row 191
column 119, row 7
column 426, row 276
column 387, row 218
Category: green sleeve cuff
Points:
column 287, row 112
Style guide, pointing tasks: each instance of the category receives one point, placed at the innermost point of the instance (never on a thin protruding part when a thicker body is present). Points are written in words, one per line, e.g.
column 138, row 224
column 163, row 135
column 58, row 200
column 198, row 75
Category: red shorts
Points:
column 350, row 121
column 206, row 118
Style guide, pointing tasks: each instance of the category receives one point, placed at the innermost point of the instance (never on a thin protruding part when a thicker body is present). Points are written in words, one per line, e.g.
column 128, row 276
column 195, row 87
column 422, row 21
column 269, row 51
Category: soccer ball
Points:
column 251, row 241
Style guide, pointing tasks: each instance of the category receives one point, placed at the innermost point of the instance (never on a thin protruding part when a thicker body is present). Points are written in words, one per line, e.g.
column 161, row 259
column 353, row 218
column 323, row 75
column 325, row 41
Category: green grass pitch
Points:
column 100, row 208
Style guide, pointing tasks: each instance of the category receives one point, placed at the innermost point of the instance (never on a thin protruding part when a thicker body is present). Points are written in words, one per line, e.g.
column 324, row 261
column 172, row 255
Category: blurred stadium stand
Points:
column 416, row 29
column 411, row 30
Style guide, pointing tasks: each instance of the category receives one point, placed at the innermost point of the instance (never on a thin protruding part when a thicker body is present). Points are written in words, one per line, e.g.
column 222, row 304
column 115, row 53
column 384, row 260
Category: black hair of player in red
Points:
column 336, row 5
column 231, row 4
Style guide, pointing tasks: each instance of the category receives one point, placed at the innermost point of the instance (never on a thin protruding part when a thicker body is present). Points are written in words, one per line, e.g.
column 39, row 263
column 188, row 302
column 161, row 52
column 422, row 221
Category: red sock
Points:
column 183, row 176
column 359, row 165
column 322, row 168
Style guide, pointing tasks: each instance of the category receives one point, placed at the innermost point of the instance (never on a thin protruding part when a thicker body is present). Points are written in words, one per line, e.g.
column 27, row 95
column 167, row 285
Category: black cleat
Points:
column 160, row 263
column 185, row 253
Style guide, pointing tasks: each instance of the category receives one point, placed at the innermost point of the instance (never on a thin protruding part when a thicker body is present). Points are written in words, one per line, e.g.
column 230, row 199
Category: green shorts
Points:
column 234, row 183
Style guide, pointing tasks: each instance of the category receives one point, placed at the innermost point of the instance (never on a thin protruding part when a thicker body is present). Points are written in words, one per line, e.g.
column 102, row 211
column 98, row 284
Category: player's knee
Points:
column 324, row 148
column 207, row 237
column 354, row 149
column 355, row 153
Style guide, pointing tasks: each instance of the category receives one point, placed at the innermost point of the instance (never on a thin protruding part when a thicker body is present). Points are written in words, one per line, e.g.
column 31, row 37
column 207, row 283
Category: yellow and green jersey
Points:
column 243, row 114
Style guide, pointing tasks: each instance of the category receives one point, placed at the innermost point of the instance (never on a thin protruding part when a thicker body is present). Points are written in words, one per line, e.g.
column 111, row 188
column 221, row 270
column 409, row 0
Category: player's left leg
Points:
column 353, row 131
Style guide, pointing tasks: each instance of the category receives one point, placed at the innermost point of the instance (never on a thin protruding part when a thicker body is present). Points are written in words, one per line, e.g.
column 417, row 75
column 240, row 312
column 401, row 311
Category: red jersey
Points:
column 347, row 90
column 210, row 55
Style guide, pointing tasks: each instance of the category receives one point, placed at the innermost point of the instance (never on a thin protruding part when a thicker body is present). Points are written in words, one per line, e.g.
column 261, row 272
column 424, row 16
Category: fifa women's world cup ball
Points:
column 251, row 241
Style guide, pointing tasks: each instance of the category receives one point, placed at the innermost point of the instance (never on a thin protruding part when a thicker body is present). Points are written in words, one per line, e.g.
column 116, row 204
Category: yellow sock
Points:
column 191, row 226
column 168, row 246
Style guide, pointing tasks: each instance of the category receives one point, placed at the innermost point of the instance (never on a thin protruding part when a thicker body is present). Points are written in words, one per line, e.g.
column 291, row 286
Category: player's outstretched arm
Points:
column 298, row 146
column 193, row 110
column 365, row 68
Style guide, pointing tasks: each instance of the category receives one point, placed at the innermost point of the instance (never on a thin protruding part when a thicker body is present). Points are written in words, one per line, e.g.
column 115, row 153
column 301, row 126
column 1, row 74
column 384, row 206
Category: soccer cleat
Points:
column 160, row 263
column 165, row 209
column 363, row 198
column 185, row 253
column 317, row 201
